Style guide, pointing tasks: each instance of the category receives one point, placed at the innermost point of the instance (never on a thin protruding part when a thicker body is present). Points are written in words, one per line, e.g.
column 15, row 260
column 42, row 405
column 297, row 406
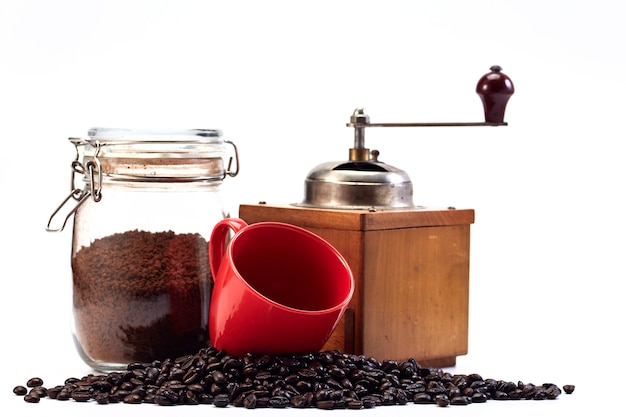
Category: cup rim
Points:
column 312, row 235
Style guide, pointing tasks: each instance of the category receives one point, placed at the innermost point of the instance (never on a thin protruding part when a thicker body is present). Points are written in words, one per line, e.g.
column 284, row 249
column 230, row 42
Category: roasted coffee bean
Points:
column 20, row 390
column 64, row 395
column 34, row 382
column 303, row 386
column 415, row 388
column 40, row 391
column 139, row 390
column 195, row 388
column 388, row 398
column 354, row 404
column 442, row 400
column 325, row 404
column 219, row 378
column 118, row 395
column 299, row 401
column 31, row 398
column 506, row 386
column 341, row 404
column 191, row 377
column 262, row 402
column 569, row 388
column 249, row 401
column 177, row 374
column 102, row 385
column 133, row 399
column 460, row 400
column 307, row 374
column 552, row 392
column 422, row 398
column 232, row 388
column 221, row 400
column 322, row 394
column 500, row 395
column 204, row 398
column 335, row 394
column 368, row 402
column 279, row 401
column 101, row 398
column 215, row 389
column 189, row 398
column 127, row 386
column 152, row 373
column 81, row 396
column 479, row 397
column 453, row 391
column 528, row 391
column 162, row 400
column 170, row 394
column 402, row 397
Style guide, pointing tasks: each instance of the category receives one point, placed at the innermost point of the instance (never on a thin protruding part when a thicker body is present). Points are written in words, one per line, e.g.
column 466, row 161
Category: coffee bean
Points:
column 204, row 398
column 162, row 400
column 64, row 395
column 299, row 401
column 133, row 398
column 500, row 395
column 460, row 400
column 34, row 382
column 101, row 398
column 20, row 390
column 422, row 398
column 31, row 398
column 552, row 391
column 325, row 404
column 368, row 402
column 479, row 397
column 569, row 388
column 221, row 400
column 81, row 396
column 540, row 394
column 249, row 401
column 442, row 401
column 279, row 401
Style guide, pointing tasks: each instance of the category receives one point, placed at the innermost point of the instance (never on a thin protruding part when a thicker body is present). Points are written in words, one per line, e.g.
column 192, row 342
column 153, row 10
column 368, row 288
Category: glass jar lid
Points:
column 150, row 143
column 168, row 155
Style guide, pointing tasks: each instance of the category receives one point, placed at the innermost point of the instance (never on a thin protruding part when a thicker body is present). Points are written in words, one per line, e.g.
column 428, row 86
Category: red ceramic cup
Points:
column 278, row 288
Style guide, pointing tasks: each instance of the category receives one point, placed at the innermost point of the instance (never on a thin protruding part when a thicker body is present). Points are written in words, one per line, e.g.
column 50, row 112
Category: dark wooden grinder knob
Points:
column 495, row 89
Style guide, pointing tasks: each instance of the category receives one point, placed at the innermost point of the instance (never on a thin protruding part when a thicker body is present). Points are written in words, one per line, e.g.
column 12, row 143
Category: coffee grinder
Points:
column 410, row 263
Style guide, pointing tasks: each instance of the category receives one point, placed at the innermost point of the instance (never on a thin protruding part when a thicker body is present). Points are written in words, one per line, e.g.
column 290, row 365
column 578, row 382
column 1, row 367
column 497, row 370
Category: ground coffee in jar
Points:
column 140, row 295
column 141, row 225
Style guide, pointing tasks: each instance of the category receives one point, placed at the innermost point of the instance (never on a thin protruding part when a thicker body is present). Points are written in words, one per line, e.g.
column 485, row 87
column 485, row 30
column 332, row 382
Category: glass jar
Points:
column 141, row 277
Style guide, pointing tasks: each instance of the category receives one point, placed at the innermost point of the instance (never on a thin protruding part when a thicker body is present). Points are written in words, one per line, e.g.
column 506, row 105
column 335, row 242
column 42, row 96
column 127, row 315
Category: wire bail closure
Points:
column 93, row 188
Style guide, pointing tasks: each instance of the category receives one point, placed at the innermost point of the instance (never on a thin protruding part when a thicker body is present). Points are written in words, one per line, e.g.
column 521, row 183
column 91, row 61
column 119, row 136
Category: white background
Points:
column 281, row 79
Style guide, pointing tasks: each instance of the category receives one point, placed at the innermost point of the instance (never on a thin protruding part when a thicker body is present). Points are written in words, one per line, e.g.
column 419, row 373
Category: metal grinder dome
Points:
column 361, row 182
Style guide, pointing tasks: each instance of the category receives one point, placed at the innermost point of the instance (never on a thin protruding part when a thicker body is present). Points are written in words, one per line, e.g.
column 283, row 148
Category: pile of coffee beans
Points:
column 325, row 380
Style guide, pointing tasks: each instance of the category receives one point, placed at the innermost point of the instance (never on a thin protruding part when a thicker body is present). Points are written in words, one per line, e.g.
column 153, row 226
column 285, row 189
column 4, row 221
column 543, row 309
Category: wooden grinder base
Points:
column 411, row 269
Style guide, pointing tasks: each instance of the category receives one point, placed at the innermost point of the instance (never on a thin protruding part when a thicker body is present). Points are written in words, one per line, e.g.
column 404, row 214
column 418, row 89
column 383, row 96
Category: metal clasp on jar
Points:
column 92, row 188
column 228, row 171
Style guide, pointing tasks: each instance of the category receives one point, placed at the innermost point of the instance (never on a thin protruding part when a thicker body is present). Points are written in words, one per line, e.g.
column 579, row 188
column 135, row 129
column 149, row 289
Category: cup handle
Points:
column 217, row 243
